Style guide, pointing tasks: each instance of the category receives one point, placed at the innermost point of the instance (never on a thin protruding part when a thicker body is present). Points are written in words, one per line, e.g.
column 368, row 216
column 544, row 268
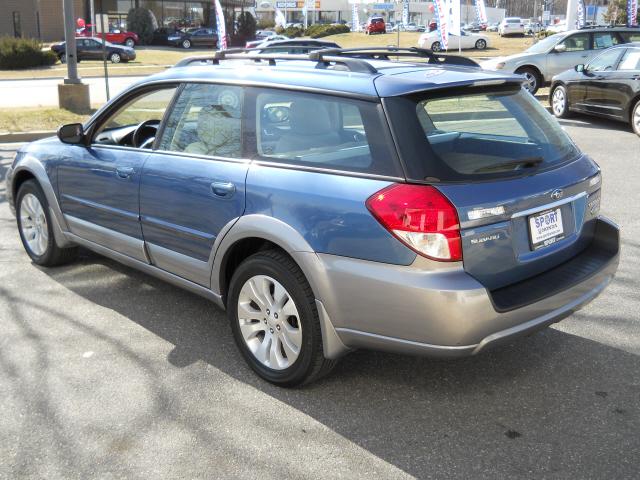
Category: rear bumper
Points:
column 436, row 310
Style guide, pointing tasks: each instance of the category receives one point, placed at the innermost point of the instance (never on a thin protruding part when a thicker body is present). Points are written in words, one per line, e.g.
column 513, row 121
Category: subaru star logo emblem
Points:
column 557, row 194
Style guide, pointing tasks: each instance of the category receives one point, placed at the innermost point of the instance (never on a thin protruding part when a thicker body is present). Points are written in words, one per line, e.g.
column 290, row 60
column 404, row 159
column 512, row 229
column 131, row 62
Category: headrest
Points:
column 310, row 117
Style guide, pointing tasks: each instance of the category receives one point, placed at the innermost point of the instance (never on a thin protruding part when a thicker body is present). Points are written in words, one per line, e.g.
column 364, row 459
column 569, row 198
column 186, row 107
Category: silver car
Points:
column 560, row 52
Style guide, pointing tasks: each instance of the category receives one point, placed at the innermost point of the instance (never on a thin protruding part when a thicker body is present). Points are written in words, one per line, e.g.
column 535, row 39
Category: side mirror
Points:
column 72, row 133
column 580, row 68
column 560, row 48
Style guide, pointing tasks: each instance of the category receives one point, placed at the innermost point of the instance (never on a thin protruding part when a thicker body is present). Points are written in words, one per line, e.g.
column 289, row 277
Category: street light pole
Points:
column 70, row 43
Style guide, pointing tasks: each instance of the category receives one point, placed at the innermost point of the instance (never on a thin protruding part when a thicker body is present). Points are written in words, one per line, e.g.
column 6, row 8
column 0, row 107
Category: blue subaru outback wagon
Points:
column 330, row 202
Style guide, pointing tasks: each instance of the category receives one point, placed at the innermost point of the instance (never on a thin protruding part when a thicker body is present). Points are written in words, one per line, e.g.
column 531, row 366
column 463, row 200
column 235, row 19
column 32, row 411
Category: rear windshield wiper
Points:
column 530, row 162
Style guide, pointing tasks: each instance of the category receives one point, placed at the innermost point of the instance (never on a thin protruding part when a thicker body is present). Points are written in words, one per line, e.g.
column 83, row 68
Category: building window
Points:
column 17, row 25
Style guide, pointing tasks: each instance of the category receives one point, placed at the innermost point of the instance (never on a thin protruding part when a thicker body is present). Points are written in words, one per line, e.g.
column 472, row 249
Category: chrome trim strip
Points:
column 598, row 106
column 99, row 206
column 116, row 241
column 547, row 206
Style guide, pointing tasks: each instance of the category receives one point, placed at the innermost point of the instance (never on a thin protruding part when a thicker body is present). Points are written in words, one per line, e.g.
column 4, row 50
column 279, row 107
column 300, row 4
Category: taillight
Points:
column 421, row 217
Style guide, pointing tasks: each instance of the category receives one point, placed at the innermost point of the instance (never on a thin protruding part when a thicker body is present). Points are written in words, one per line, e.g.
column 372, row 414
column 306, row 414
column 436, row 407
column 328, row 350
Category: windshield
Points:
column 486, row 134
column 545, row 45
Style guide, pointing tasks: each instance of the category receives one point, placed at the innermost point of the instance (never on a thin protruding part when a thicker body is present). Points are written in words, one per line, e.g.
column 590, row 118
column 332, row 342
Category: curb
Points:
column 20, row 137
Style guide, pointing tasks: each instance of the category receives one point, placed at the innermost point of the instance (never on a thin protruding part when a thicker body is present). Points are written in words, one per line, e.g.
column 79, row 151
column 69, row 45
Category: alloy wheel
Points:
column 115, row 58
column 636, row 119
column 33, row 224
column 558, row 101
column 269, row 322
column 531, row 83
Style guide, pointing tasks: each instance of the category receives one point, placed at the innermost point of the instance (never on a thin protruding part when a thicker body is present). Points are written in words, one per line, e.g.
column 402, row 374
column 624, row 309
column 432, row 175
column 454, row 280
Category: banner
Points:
column 405, row 12
column 441, row 13
column 632, row 12
column 280, row 19
column 221, row 27
column 454, row 17
column 481, row 11
column 355, row 21
column 581, row 14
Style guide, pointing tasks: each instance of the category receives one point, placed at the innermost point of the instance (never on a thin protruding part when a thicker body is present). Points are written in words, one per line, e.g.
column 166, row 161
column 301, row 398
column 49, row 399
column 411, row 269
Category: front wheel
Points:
column 560, row 102
column 481, row 44
column 186, row 44
column 115, row 58
column 435, row 47
column 129, row 42
column 36, row 231
column 274, row 320
column 533, row 80
column 635, row 118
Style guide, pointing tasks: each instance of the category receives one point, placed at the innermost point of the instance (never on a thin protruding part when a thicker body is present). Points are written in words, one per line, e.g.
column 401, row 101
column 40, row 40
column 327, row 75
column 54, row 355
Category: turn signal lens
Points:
column 421, row 217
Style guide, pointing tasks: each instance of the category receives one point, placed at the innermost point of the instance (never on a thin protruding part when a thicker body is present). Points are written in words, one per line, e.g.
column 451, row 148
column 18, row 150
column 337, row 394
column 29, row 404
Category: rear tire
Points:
column 560, row 102
column 273, row 269
column 35, row 227
column 115, row 58
column 481, row 44
column 435, row 47
column 130, row 42
column 635, row 118
column 186, row 44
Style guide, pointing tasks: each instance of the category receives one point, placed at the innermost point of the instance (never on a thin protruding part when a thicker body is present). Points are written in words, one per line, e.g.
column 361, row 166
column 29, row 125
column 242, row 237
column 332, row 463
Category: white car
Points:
column 511, row 26
column 431, row 40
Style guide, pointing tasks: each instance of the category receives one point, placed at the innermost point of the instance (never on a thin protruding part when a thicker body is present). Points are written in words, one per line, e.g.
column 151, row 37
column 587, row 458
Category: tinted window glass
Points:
column 488, row 134
column 630, row 60
column 206, row 120
column 606, row 61
column 322, row 131
column 577, row 42
column 631, row 36
column 604, row 40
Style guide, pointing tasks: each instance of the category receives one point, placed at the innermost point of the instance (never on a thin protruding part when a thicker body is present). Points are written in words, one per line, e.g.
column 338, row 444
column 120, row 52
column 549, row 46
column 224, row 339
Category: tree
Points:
column 140, row 21
column 247, row 26
column 617, row 12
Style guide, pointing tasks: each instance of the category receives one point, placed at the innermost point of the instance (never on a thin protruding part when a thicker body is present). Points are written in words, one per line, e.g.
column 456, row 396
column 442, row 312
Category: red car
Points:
column 130, row 39
column 375, row 25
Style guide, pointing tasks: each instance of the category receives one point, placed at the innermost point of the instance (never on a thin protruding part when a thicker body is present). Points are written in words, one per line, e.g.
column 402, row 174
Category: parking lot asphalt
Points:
column 108, row 373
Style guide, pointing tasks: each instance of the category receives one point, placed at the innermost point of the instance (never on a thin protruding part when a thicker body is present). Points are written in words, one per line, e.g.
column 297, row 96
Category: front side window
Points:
column 604, row 40
column 606, row 61
column 577, row 42
column 206, row 120
column 460, row 136
column 630, row 60
column 322, row 131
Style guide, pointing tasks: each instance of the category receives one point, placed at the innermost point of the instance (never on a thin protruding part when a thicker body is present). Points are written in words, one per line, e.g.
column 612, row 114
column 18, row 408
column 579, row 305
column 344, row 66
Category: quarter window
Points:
column 631, row 36
column 630, row 60
column 206, row 120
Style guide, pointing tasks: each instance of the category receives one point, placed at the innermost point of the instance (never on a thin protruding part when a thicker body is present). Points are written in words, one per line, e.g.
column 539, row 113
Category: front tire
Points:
column 130, row 42
column 186, row 44
column 481, row 44
column 560, row 102
column 435, row 47
column 274, row 320
column 635, row 118
column 115, row 58
column 35, row 227
column 533, row 79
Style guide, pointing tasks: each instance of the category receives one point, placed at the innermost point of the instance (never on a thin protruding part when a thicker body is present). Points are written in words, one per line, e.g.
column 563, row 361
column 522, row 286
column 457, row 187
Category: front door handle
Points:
column 223, row 189
column 124, row 172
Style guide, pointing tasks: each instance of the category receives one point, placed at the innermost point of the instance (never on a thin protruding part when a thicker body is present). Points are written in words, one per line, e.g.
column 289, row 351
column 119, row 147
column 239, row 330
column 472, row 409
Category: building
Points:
column 43, row 19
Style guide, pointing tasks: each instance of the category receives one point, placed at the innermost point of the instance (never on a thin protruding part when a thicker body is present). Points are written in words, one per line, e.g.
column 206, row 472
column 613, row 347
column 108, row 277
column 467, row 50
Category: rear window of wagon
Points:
column 476, row 134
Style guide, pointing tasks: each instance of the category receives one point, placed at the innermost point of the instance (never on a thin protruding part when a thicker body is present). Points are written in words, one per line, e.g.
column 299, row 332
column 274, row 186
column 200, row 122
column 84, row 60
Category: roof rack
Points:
column 354, row 59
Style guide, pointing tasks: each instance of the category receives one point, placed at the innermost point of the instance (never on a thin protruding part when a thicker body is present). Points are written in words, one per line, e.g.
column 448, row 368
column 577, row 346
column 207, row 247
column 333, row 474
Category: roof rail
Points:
column 384, row 53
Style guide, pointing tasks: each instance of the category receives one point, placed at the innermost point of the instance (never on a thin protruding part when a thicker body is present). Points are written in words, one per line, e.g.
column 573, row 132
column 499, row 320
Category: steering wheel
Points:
column 144, row 133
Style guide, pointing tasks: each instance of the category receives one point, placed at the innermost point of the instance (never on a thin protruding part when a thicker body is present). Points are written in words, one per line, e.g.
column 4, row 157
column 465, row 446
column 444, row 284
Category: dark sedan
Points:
column 609, row 86
column 295, row 46
column 198, row 37
column 91, row 49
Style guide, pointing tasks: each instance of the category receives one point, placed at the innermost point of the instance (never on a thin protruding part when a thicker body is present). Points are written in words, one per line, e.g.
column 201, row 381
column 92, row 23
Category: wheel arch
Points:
column 632, row 103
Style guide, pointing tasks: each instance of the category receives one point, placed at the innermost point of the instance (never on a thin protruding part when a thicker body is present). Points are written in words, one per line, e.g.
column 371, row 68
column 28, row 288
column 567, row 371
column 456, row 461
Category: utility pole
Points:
column 72, row 93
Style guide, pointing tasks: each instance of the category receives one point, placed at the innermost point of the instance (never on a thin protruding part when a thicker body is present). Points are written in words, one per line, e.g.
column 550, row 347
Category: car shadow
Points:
column 554, row 403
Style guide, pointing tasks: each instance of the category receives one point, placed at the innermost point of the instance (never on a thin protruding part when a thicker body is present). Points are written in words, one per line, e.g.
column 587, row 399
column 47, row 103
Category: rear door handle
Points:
column 124, row 172
column 223, row 189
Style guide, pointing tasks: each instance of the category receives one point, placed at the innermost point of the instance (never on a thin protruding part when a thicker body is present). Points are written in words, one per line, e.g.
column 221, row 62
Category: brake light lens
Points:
column 421, row 217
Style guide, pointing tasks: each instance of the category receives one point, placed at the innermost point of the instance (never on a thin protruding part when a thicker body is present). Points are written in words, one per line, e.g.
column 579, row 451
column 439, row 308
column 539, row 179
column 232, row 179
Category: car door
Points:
column 625, row 82
column 601, row 83
column 194, row 183
column 94, row 49
column 99, row 184
column 572, row 51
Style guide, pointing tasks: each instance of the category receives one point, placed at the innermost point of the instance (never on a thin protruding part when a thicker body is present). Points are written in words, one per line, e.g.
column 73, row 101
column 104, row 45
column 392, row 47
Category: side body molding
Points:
column 282, row 234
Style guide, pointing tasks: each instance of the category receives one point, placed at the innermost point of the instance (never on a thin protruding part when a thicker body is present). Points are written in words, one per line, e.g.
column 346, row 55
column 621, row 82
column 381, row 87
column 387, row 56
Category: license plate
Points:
column 545, row 228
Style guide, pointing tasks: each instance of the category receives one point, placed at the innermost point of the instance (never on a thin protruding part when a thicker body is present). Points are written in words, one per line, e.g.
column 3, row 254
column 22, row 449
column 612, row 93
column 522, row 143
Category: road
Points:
column 109, row 373
column 44, row 92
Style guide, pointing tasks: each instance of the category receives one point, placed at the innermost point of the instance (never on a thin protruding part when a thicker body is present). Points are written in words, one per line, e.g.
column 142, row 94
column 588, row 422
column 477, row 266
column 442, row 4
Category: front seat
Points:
column 311, row 126
column 218, row 133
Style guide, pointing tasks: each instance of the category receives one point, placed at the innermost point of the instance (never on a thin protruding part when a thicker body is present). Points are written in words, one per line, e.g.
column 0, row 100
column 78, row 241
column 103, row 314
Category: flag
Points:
column 481, row 11
column 442, row 12
column 454, row 17
column 405, row 12
column 581, row 14
column 221, row 27
column 632, row 12
column 280, row 19
column 355, row 21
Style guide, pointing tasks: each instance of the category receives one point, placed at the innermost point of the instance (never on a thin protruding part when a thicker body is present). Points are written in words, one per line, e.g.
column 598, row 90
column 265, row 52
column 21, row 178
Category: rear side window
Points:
column 323, row 131
column 631, row 36
column 475, row 136
column 630, row 60
column 604, row 40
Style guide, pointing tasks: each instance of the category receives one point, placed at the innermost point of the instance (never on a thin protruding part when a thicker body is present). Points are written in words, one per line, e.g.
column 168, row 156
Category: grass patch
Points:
column 34, row 119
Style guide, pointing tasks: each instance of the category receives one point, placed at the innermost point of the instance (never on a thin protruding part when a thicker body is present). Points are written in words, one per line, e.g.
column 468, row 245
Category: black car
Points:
column 609, row 86
column 296, row 46
column 161, row 35
column 91, row 49
column 194, row 37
